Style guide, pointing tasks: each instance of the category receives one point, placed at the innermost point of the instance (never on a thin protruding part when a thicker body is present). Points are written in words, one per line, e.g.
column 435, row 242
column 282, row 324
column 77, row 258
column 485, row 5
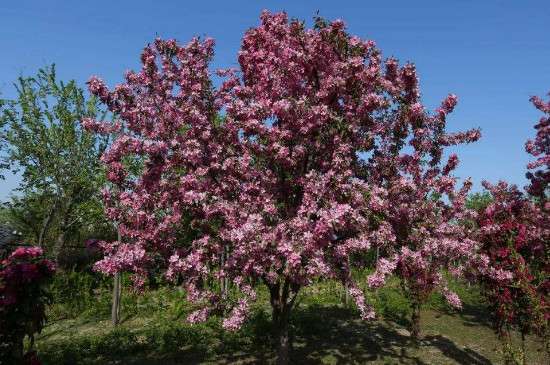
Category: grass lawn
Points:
column 154, row 331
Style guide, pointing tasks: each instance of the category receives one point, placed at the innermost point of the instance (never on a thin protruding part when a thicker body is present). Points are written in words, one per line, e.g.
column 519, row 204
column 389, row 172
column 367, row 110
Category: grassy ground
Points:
column 325, row 331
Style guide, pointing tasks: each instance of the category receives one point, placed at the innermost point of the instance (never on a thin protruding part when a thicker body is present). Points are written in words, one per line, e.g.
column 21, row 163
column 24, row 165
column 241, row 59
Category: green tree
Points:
column 59, row 161
column 479, row 201
column 24, row 214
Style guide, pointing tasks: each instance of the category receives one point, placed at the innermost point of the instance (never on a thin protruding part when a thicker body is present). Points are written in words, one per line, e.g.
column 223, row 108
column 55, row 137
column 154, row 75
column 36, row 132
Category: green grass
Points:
column 324, row 331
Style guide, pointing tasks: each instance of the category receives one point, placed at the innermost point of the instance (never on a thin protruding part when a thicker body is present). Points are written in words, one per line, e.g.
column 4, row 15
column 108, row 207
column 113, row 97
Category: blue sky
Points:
column 493, row 54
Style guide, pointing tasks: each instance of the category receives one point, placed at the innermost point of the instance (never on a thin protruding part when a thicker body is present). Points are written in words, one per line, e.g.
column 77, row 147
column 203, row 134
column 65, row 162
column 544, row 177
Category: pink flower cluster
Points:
column 384, row 268
column 24, row 266
column 452, row 298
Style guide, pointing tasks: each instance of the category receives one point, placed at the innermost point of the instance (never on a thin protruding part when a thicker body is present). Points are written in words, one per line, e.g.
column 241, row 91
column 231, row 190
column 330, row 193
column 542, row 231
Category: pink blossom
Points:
column 26, row 252
column 501, row 275
column 198, row 316
column 237, row 316
column 384, row 268
column 452, row 298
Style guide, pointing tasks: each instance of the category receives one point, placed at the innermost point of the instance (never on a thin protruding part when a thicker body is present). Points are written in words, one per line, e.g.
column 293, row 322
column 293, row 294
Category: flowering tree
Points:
column 280, row 182
column 23, row 300
column 515, row 232
column 420, row 208
column 540, row 148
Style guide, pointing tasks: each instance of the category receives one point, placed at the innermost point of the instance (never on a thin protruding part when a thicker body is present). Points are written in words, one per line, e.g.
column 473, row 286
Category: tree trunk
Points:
column 115, row 309
column 117, row 290
column 64, row 227
column 282, row 300
column 280, row 323
column 46, row 226
column 59, row 245
column 283, row 350
column 415, row 323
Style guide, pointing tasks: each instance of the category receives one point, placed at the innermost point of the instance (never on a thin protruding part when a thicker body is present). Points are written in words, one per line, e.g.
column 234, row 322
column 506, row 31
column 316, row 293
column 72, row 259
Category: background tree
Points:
column 515, row 232
column 515, row 236
column 59, row 161
column 25, row 214
column 479, row 200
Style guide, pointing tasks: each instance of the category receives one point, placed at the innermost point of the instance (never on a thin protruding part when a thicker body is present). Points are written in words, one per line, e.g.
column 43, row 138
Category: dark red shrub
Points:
column 23, row 299
column 515, row 232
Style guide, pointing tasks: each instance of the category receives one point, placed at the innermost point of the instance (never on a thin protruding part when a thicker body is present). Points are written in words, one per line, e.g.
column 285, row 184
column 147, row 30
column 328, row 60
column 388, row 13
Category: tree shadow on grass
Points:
column 475, row 315
column 472, row 315
column 336, row 336
column 320, row 334
column 452, row 351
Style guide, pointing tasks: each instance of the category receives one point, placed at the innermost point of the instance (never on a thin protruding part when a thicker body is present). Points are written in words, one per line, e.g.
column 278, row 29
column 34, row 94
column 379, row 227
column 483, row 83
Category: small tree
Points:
column 58, row 159
column 515, row 236
column 515, row 232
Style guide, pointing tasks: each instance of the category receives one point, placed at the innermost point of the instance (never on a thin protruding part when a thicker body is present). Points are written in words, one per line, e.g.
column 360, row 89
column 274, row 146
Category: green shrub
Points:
column 77, row 293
